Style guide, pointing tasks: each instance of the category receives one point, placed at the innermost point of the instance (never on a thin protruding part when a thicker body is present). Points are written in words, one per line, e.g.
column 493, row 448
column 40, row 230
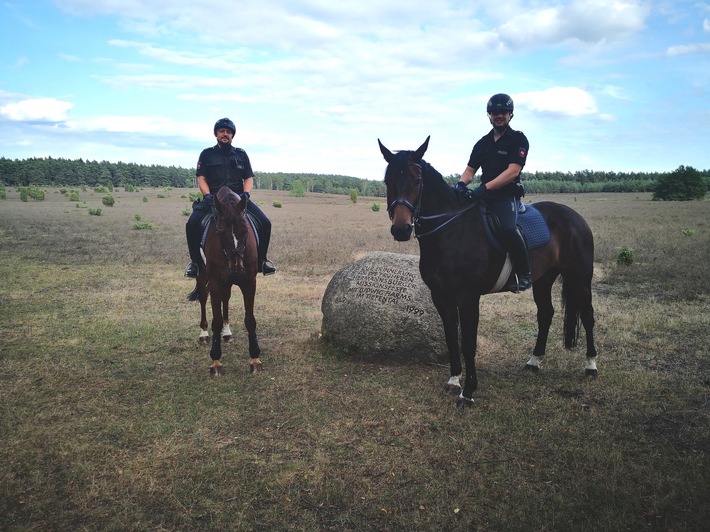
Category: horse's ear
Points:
column 421, row 150
column 388, row 155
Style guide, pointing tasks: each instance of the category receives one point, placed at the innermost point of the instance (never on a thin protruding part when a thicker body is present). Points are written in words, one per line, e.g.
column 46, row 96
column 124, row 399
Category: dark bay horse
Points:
column 230, row 259
column 459, row 264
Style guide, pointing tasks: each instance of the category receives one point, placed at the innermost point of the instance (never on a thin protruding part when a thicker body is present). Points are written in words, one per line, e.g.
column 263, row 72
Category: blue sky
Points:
column 312, row 84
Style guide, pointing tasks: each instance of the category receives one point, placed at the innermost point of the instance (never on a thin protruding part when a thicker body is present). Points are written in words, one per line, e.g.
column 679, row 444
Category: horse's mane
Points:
column 433, row 180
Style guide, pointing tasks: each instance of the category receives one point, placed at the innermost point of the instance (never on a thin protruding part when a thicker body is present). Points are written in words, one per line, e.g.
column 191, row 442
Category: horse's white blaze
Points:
column 226, row 331
column 591, row 364
column 454, row 381
column 204, row 333
column 534, row 361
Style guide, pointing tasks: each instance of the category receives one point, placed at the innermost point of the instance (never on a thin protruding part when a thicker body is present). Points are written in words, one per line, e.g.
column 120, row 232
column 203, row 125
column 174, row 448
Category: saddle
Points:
column 532, row 227
column 530, row 223
column 208, row 219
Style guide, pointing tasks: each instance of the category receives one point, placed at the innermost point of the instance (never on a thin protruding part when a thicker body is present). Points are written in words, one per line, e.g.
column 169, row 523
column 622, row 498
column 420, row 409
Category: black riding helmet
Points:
column 500, row 102
column 225, row 123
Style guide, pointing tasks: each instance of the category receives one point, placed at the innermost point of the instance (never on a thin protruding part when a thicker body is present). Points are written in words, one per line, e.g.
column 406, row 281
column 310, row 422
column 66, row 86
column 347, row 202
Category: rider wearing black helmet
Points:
column 501, row 155
column 217, row 166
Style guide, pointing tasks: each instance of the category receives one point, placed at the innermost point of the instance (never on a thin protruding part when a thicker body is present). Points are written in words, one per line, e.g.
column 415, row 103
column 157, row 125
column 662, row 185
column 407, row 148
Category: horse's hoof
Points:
column 203, row 340
column 256, row 368
column 216, row 371
column 463, row 402
column 452, row 389
column 530, row 367
column 228, row 338
column 591, row 373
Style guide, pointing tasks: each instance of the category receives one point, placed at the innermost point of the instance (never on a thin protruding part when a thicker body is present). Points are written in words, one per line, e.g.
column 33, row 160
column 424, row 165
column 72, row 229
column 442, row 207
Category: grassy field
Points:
column 109, row 420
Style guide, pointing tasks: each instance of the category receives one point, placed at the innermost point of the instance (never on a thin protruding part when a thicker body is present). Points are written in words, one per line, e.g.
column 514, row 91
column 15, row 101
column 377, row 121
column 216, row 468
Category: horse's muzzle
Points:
column 401, row 233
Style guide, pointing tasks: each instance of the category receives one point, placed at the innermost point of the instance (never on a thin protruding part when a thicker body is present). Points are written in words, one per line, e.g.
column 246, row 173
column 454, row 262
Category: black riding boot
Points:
column 193, row 246
column 522, row 277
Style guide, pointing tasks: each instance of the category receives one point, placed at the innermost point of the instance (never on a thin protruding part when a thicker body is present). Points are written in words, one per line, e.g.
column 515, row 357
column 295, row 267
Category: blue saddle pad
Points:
column 532, row 225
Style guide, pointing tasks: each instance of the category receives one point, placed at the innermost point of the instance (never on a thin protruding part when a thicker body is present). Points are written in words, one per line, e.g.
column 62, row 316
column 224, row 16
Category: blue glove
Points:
column 245, row 193
column 208, row 197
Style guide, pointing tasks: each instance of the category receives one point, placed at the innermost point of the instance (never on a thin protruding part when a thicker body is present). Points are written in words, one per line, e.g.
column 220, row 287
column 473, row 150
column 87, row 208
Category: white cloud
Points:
column 686, row 49
column 570, row 101
column 37, row 110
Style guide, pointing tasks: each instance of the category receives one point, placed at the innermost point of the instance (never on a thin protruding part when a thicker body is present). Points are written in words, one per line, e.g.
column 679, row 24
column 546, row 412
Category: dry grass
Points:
column 109, row 420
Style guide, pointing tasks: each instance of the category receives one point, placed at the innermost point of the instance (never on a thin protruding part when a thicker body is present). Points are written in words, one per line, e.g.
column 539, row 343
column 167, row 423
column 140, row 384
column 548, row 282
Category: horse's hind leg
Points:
column 586, row 314
column 542, row 293
column 204, row 335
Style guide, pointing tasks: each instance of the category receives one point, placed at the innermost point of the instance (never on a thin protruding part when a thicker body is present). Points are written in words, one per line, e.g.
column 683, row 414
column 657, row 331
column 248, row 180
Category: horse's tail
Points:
column 570, row 303
column 195, row 294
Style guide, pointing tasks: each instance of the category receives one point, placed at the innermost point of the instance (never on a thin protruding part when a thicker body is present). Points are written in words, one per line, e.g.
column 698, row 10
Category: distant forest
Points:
column 76, row 173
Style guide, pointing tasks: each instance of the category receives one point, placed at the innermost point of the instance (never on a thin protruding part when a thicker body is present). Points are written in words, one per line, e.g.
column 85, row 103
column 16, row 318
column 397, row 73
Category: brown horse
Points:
column 459, row 263
column 230, row 259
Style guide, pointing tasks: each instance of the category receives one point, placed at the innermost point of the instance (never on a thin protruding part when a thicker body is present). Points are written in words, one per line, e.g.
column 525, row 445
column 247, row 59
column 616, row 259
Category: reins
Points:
column 452, row 216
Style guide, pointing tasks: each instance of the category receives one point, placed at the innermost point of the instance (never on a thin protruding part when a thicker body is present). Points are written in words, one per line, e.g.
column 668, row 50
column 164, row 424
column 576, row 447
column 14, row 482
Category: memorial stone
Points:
column 379, row 309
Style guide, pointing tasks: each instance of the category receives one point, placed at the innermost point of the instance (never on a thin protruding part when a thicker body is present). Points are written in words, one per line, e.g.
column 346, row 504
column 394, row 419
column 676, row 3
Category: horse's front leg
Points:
column 249, row 293
column 226, row 329
column 217, row 322
column 450, row 320
column 469, row 316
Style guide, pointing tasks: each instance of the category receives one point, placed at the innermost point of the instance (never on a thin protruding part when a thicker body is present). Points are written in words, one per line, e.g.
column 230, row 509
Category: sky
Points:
column 608, row 85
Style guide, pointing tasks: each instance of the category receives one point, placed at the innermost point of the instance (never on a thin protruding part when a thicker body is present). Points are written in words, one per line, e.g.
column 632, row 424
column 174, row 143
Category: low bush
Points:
column 625, row 256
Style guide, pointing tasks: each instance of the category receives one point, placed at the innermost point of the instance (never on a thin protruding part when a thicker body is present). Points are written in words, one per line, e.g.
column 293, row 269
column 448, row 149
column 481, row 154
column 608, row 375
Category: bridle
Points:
column 403, row 201
column 417, row 218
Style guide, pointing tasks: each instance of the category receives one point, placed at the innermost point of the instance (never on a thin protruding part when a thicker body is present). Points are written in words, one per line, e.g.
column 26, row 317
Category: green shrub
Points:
column 129, row 188
column 73, row 196
column 688, row 232
column 187, row 211
column 95, row 212
column 277, row 204
column 3, row 193
column 194, row 196
column 298, row 189
column 625, row 256
column 100, row 189
column 23, row 194
column 145, row 199
column 142, row 225
column 353, row 195
column 376, row 207
column 137, row 217
column 108, row 200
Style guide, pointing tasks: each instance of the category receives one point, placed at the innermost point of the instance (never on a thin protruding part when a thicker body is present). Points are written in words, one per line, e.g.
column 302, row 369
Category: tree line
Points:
column 68, row 173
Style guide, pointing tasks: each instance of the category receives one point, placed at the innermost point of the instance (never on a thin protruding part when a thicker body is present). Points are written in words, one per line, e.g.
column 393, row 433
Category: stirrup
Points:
column 268, row 267
column 522, row 282
column 192, row 270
